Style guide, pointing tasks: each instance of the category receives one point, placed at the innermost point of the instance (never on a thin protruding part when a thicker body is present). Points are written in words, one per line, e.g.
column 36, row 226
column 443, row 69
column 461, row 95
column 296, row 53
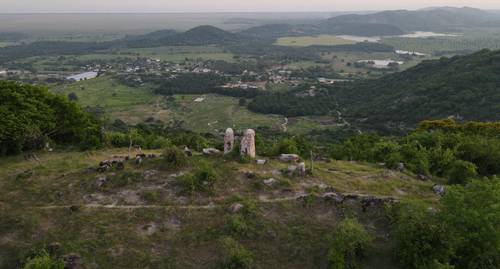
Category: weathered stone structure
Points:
column 248, row 143
column 228, row 141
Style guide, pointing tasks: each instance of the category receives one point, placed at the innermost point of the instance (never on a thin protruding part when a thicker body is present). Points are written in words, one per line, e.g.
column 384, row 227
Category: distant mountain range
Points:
column 393, row 22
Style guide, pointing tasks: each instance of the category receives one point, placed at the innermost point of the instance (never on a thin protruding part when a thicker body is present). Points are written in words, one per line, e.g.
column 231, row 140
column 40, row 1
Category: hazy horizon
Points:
column 227, row 6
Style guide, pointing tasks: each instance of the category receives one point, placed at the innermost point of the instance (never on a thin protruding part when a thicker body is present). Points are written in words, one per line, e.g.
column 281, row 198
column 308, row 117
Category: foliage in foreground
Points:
column 349, row 245
column 43, row 261
column 442, row 148
column 463, row 232
column 30, row 116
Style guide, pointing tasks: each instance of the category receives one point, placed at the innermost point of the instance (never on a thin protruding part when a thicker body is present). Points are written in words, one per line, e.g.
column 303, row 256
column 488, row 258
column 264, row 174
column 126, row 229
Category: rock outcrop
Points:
column 248, row 143
column 228, row 141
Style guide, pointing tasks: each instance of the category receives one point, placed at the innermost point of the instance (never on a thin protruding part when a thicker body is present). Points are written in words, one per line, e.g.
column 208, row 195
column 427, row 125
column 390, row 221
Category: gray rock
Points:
column 138, row 160
column 289, row 158
column 248, row 144
column 439, row 190
column 210, row 151
column 72, row 261
column 400, row 167
column 292, row 169
column 332, row 196
column 301, row 169
column 228, row 141
column 269, row 182
column 101, row 180
column 261, row 162
column 423, row 177
column 235, row 208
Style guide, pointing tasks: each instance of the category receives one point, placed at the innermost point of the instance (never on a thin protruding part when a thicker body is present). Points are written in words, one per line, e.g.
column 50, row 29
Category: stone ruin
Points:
column 228, row 141
column 248, row 143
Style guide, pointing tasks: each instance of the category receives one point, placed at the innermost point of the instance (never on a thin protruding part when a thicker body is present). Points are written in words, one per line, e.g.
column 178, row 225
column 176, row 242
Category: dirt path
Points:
column 262, row 199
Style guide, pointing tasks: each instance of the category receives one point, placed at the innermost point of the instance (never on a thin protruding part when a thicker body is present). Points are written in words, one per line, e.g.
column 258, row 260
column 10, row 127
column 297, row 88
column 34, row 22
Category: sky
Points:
column 28, row 6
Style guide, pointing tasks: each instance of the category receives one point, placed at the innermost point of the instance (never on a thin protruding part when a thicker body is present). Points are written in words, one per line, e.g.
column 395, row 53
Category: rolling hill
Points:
column 434, row 19
column 462, row 87
column 385, row 23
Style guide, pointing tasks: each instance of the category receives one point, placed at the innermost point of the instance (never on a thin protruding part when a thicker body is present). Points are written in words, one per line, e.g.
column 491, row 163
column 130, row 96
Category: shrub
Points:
column 43, row 261
column 419, row 240
column 461, row 171
column 202, row 179
column 173, row 158
column 234, row 255
column 349, row 245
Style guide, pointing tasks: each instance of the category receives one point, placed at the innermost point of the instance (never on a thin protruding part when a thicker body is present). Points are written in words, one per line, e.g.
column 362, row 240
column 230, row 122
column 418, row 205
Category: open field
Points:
column 180, row 53
column 214, row 113
column 472, row 40
column 305, row 41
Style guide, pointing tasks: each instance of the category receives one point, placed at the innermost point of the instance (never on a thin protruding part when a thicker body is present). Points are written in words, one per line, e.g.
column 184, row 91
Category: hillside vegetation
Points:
column 464, row 87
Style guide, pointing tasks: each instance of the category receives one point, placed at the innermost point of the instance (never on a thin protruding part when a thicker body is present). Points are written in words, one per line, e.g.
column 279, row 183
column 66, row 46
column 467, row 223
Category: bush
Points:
column 173, row 158
column 234, row 255
column 44, row 261
column 461, row 171
column 31, row 115
column 463, row 233
column 349, row 245
column 202, row 179
column 419, row 240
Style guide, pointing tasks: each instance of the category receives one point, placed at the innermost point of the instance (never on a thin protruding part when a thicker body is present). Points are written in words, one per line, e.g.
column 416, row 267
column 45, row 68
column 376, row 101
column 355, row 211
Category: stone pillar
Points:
column 228, row 141
column 248, row 143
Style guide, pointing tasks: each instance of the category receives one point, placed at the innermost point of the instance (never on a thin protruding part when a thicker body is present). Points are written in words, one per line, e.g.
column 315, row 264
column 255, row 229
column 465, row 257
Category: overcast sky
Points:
column 13, row 6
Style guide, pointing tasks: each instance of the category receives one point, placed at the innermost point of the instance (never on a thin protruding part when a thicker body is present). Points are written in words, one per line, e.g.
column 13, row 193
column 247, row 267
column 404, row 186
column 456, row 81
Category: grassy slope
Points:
column 135, row 105
column 287, row 234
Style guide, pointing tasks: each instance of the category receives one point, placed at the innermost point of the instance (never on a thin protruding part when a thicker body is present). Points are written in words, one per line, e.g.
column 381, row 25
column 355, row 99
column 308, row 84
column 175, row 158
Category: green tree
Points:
column 43, row 261
column 460, row 172
column 350, row 242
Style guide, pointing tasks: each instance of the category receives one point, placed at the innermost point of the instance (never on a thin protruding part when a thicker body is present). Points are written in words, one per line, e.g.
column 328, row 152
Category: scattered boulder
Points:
column 439, row 190
column 138, row 160
column 101, row 180
column 423, row 177
column 228, row 141
column 301, row 169
column 150, row 173
column 400, row 167
column 55, row 248
column 269, row 182
column 333, row 196
column 250, row 174
column 235, row 208
column 120, row 165
column 289, row 158
column 72, row 261
column 210, row 151
column 261, row 162
column 292, row 169
column 188, row 152
column 102, row 168
column 248, row 144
